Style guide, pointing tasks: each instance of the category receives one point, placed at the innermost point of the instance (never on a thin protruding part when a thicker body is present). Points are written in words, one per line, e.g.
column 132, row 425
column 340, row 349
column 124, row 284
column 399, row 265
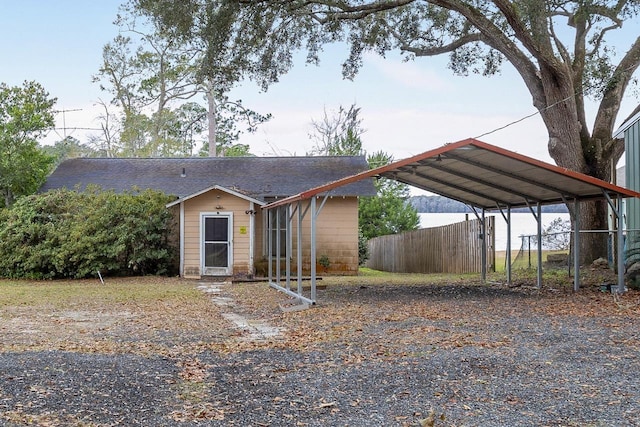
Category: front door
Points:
column 217, row 253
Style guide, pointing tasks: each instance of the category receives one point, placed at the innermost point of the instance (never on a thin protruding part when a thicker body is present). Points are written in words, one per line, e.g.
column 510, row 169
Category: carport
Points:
column 481, row 175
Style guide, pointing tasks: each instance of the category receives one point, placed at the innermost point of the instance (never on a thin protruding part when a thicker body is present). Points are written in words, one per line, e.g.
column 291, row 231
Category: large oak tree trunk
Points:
column 593, row 217
column 572, row 147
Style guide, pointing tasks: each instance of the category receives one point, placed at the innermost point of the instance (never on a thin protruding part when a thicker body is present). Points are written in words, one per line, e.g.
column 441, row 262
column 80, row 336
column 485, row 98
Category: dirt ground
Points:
column 403, row 350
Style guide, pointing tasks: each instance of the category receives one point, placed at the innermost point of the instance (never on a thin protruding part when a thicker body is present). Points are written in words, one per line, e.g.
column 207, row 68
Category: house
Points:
column 630, row 132
column 222, row 228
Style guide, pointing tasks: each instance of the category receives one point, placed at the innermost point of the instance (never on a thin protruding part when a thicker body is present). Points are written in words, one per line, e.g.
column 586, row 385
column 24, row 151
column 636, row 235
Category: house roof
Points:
column 484, row 176
column 256, row 177
column 619, row 133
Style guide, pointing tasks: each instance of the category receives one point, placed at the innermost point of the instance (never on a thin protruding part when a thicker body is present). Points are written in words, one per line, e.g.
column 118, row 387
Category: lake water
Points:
column 522, row 223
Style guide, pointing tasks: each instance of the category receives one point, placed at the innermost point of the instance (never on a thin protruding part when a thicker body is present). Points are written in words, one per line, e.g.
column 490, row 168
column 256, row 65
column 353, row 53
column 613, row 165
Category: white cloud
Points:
column 409, row 74
column 403, row 132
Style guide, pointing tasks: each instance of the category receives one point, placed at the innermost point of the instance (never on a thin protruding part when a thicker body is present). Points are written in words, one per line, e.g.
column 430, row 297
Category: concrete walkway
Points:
column 256, row 330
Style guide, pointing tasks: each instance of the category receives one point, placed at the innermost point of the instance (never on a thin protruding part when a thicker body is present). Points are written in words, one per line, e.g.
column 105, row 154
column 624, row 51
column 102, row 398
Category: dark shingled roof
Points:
column 257, row 177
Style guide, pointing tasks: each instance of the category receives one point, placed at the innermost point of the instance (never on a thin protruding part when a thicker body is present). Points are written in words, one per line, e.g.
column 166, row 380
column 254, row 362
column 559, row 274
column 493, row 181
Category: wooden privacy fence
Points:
column 454, row 248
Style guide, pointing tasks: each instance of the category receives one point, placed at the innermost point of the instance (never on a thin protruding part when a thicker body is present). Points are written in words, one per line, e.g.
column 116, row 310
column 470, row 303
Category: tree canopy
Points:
column 338, row 134
column 26, row 112
column 157, row 79
column 566, row 52
column 388, row 212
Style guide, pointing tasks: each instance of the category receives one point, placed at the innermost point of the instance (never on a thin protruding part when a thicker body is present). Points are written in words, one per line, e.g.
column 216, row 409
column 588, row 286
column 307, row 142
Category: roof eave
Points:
column 619, row 133
column 216, row 187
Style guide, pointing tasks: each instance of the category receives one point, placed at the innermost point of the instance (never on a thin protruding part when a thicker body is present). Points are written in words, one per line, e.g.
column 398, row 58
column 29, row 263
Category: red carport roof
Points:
column 484, row 176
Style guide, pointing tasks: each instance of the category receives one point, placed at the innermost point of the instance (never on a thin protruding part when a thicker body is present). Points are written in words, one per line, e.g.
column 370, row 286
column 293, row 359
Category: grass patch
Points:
column 138, row 314
column 83, row 293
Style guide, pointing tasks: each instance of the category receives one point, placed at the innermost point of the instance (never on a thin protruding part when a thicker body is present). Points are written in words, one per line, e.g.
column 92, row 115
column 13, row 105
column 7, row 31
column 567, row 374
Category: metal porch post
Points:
column 313, row 248
column 539, row 218
column 508, row 245
column 620, row 254
column 484, row 248
column 278, row 249
column 576, row 245
column 270, row 244
column 288, row 246
column 617, row 209
column 299, row 247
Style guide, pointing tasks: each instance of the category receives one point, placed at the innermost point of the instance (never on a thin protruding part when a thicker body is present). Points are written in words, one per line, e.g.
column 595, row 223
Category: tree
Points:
column 557, row 235
column 561, row 49
column 227, row 118
column 26, row 113
column 339, row 134
column 68, row 148
column 154, row 75
column 107, row 142
column 390, row 211
column 145, row 75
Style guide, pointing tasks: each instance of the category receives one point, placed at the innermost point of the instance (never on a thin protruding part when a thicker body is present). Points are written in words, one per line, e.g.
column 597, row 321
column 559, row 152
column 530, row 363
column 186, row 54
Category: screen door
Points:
column 216, row 233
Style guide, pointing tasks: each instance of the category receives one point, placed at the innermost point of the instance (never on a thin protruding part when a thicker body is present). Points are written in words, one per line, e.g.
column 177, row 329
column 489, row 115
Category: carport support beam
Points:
column 509, row 244
column 620, row 257
column 299, row 247
column 484, row 248
column 539, row 218
column 270, row 244
column 313, row 249
column 617, row 209
column 278, row 249
column 576, row 245
column 288, row 245
column 507, row 219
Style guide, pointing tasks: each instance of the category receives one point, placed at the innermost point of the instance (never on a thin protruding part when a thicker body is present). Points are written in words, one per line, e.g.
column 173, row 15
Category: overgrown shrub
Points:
column 68, row 234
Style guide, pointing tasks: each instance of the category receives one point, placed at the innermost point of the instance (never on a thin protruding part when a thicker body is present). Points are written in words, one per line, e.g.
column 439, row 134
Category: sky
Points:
column 406, row 107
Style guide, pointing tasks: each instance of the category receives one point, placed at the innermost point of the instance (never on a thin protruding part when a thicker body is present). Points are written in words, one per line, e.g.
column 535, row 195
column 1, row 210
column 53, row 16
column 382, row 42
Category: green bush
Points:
column 68, row 234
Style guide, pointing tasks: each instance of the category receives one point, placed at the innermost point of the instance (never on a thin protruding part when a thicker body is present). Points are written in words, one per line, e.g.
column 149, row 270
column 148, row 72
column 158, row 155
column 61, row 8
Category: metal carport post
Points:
column 576, row 245
column 487, row 175
column 507, row 219
column 617, row 210
column 315, row 212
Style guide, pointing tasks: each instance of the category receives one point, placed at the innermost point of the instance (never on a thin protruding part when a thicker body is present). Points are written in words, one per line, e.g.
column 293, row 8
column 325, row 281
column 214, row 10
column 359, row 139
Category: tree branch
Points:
column 433, row 51
column 498, row 40
column 612, row 98
column 337, row 10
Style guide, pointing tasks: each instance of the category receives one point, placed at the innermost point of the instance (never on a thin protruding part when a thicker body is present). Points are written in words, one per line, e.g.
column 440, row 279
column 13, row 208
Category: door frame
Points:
column 217, row 271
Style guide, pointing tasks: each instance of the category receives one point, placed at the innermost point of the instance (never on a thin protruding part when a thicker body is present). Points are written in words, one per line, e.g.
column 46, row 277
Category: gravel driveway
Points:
column 375, row 355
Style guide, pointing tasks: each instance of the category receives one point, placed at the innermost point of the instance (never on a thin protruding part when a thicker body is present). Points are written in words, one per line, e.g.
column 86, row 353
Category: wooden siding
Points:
column 455, row 248
column 337, row 234
column 212, row 202
column 336, row 237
